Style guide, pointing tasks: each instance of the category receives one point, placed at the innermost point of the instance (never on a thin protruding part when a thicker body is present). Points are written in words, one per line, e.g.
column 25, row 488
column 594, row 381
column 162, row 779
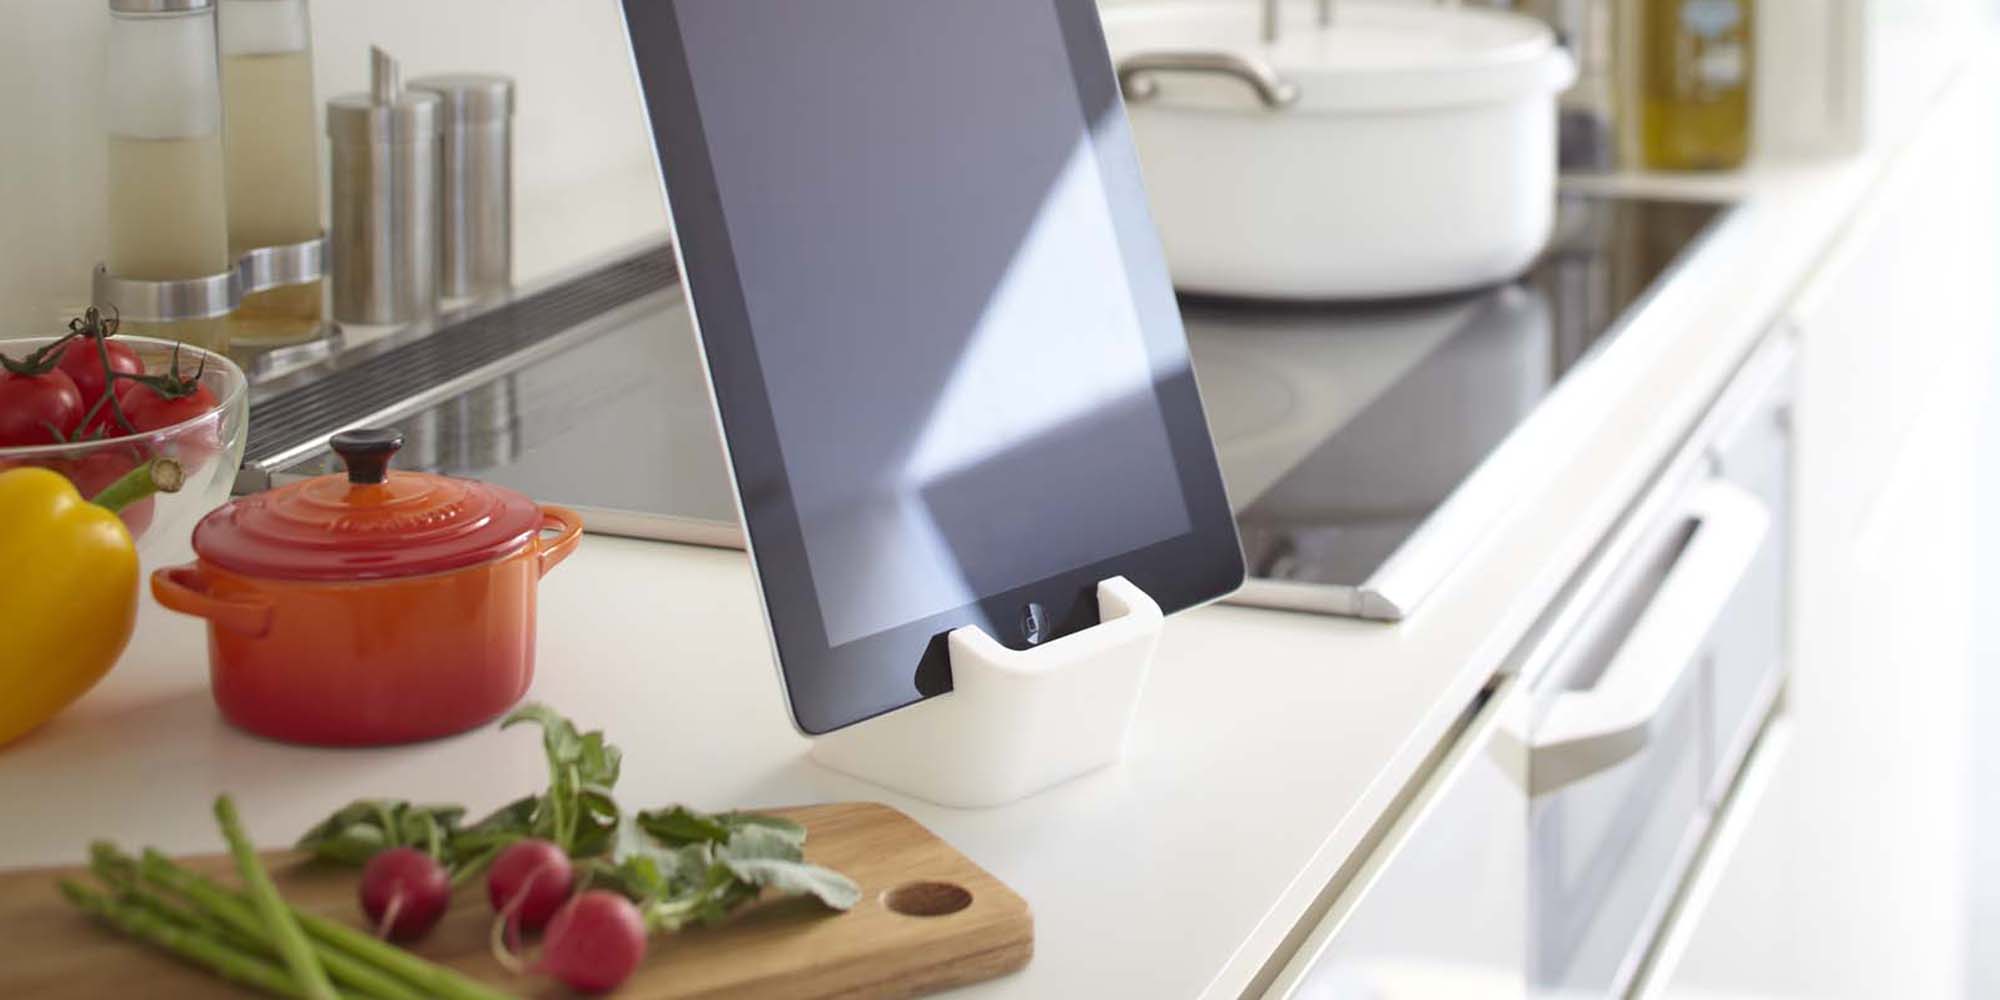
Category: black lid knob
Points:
column 366, row 452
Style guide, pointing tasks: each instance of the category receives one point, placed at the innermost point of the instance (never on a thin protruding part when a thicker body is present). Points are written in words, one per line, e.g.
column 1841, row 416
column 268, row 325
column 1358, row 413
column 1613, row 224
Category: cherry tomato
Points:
column 150, row 410
column 80, row 361
column 38, row 409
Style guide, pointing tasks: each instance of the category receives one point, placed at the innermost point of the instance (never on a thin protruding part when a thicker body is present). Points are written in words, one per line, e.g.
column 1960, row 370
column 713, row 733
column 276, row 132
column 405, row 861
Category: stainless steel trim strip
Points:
column 160, row 6
column 417, row 367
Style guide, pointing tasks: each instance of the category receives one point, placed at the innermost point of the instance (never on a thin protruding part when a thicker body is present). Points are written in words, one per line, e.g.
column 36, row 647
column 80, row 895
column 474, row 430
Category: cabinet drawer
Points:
column 1753, row 451
column 1437, row 908
column 1620, row 755
column 1608, row 850
column 1545, row 849
column 1726, row 934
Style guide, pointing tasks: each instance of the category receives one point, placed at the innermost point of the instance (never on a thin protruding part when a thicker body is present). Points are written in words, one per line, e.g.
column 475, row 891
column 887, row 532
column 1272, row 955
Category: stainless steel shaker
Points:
column 386, row 165
column 478, row 184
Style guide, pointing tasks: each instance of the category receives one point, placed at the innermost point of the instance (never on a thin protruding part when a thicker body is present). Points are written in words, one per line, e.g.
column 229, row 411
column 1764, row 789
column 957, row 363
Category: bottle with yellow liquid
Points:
column 164, row 112
column 271, row 140
column 1694, row 75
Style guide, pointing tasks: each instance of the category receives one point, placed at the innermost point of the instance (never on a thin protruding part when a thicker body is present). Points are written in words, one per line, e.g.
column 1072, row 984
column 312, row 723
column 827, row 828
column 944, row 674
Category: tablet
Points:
column 942, row 343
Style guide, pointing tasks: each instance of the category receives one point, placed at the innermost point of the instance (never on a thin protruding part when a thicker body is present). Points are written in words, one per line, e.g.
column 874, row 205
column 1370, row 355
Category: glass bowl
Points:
column 209, row 447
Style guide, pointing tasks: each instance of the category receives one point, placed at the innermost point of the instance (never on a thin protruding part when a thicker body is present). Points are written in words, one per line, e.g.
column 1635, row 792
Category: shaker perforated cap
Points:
column 388, row 113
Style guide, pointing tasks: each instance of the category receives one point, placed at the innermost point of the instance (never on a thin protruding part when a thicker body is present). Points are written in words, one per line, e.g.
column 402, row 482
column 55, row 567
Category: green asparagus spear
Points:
column 338, row 946
column 120, row 873
column 193, row 920
column 113, row 866
column 428, row 977
column 237, row 915
column 278, row 918
column 192, row 946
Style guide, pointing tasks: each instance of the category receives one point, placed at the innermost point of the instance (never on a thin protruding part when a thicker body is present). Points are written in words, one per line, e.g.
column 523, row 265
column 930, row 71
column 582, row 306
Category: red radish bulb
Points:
column 528, row 883
column 405, row 892
column 594, row 942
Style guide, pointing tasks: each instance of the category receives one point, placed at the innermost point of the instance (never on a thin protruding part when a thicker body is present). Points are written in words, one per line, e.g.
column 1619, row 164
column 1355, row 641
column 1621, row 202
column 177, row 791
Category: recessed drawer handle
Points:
column 1588, row 731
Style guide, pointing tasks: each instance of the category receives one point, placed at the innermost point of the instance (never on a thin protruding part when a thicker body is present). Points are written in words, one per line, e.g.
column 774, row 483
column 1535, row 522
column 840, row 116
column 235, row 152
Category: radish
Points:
column 405, row 892
column 594, row 942
column 528, row 882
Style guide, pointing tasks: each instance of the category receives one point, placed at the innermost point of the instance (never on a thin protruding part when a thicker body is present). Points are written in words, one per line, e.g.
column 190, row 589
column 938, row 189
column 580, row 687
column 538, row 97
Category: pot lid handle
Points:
column 366, row 453
column 1136, row 74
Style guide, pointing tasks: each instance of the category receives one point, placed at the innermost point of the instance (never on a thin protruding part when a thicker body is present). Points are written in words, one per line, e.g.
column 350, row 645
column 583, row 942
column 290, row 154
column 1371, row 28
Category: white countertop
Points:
column 1265, row 747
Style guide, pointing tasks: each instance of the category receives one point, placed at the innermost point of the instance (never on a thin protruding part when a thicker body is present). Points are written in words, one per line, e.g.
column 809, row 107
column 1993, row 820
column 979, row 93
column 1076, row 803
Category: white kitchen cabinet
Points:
column 1850, row 882
column 1847, row 879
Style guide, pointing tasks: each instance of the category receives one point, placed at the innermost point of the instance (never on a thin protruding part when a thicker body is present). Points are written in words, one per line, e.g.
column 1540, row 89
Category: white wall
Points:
column 585, row 180
column 51, row 158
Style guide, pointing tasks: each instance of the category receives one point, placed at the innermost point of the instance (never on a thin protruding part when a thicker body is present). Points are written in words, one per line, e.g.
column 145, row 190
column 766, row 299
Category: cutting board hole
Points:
column 927, row 899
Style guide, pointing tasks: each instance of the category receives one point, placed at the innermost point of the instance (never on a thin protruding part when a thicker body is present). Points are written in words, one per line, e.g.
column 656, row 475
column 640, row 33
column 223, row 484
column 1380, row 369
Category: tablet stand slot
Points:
column 1016, row 721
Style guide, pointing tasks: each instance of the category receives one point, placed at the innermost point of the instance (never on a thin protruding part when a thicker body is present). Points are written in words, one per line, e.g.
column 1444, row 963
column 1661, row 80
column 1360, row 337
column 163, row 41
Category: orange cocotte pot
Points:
column 371, row 608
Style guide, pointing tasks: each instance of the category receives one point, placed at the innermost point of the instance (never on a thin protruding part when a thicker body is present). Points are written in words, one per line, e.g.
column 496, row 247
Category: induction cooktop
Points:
column 1366, row 447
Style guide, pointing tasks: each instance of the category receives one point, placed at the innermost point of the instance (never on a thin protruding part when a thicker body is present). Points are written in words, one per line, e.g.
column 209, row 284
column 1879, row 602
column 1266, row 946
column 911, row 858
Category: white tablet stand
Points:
column 1014, row 722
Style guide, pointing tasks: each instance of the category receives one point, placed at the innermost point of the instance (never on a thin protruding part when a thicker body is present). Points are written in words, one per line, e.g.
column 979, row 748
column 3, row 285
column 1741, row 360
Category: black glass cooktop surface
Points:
column 1351, row 435
column 1344, row 429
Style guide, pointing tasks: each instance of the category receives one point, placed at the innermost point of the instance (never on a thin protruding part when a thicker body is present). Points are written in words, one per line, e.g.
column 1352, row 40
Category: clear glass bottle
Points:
column 1694, row 83
column 271, row 140
column 164, row 111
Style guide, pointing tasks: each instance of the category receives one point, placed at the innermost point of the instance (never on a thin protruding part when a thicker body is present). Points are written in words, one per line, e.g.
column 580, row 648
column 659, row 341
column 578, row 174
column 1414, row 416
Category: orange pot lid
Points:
column 369, row 524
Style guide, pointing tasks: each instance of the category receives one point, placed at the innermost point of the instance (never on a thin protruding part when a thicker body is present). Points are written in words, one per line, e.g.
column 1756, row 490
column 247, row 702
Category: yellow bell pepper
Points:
column 69, row 588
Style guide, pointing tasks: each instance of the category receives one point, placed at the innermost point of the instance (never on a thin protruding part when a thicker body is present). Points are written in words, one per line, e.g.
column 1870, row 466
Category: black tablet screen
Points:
column 947, row 334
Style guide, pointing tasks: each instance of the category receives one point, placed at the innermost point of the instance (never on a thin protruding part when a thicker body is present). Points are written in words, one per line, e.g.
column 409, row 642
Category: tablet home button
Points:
column 1034, row 622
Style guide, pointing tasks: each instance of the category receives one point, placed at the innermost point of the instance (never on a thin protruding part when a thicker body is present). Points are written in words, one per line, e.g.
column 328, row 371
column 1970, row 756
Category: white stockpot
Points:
column 1397, row 149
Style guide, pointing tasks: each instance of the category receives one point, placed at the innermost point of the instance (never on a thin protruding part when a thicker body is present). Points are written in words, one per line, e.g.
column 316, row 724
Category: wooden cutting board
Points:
column 928, row 919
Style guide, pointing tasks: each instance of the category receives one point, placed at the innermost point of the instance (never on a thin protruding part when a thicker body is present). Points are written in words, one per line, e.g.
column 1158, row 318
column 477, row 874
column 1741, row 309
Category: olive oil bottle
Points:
column 1694, row 78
